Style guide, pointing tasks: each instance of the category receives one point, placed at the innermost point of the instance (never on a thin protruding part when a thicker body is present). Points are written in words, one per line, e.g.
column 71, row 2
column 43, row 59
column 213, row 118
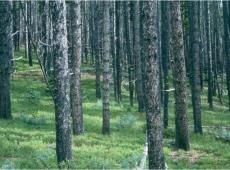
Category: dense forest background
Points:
column 114, row 84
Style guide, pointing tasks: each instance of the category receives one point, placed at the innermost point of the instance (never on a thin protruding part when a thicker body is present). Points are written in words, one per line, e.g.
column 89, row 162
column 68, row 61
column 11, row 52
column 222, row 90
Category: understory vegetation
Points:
column 28, row 140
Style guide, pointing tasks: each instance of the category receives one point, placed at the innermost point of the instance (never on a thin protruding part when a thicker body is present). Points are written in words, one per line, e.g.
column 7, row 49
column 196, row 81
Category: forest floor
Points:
column 28, row 140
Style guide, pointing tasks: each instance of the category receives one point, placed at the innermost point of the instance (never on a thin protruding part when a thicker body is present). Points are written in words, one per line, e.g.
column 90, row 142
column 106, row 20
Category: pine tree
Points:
column 165, row 32
column 6, row 54
column 75, row 58
column 61, row 82
column 106, row 69
column 152, row 87
column 195, row 58
column 179, row 77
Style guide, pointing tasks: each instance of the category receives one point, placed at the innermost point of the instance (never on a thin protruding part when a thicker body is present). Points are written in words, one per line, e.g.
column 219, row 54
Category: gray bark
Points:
column 165, row 25
column 152, row 87
column 29, row 29
column 195, row 58
column 209, row 54
column 137, row 56
column 227, row 47
column 6, row 54
column 106, row 69
column 44, row 37
column 97, row 48
column 128, row 52
column 118, row 51
column 179, row 77
column 75, row 84
column 61, row 83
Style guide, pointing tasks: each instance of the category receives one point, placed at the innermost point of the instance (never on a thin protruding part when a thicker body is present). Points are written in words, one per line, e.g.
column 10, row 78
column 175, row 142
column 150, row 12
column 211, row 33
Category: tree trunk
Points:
column 165, row 25
column 195, row 58
column 112, row 45
column 142, row 48
column 16, row 24
column 29, row 29
column 106, row 72
column 137, row 56
column 152, row 87
column 6, row 54
column 209, row 54
column 227, row 47
column 118, row 51
column 61, row 83
column 179, row 77
column 26, row 28
column 75, row 84
column 97, row 50
column 43, row 10
column 128, row 52
column 84, row 23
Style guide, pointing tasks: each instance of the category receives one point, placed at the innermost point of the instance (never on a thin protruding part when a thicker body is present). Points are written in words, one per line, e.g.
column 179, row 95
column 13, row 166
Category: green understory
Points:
column 28, row 140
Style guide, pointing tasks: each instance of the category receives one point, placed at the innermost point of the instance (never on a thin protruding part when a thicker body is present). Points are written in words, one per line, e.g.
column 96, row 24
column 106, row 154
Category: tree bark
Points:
column 97, row 50
column 85, row 31
column 61, row 83
column 152, row 87
column 6, row 54
column 194, row 50
column 75, row 80
column 29, row 29
column 16, row 25
column 165, row 55
column 227, row 47
column 128, row 52
column 106, row 69
column 118, row 51
column 44, row 37
column 112, row 45
column 137, row 56
column 209, row 54
column 179, row 77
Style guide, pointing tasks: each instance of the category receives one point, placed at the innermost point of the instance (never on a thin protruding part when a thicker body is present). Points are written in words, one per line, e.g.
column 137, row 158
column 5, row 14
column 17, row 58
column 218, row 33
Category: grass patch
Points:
column 28, row 140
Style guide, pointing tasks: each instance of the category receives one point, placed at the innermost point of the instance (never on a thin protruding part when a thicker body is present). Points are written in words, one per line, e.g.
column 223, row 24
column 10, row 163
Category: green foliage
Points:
column 33, row 119
column 126, row 121
column 28, row 140
column 131, row 162
column 31, row 96
column 8, row 164
column 98, row 163
column 43, row 158
column 223, row 134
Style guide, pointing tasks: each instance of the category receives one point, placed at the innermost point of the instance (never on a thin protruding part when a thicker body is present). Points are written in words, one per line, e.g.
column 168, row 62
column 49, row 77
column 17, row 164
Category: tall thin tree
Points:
column 209, row 53
column 152, row 87
column 75, row 57
column 106, row 69
column 61, row 83
column 137, row 55
column 179, row 77
column 195, row 58
column 165, row 45
column 97, row 48
column 6, row 54
column 128, row 52
column 118, row 51
column 226, row 15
